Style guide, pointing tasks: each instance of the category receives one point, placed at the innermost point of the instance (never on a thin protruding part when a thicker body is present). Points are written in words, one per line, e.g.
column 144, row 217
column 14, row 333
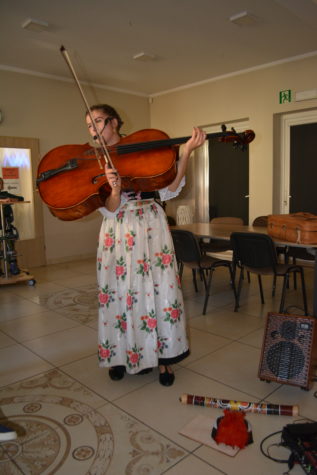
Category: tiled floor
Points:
column 72, row 419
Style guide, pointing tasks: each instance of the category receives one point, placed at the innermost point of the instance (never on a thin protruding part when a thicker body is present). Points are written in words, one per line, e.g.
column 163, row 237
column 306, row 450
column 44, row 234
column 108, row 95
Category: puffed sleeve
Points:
column 166, row 194
column 112, row 214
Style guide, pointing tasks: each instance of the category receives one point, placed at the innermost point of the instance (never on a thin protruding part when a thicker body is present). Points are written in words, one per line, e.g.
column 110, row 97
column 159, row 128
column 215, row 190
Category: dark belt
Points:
column 144, row 195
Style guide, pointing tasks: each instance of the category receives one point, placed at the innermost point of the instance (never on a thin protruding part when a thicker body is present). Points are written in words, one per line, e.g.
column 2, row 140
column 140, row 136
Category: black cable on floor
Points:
column 273, row 445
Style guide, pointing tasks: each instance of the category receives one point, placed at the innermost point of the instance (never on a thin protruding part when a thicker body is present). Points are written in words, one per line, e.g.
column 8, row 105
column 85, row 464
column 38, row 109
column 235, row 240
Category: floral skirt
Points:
column 141, row 312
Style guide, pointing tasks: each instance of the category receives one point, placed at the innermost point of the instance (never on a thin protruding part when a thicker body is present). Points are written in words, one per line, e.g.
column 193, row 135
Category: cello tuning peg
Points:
column 241, row 146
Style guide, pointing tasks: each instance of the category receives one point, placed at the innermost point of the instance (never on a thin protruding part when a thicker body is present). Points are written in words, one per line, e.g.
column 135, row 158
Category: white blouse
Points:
column 165, row 195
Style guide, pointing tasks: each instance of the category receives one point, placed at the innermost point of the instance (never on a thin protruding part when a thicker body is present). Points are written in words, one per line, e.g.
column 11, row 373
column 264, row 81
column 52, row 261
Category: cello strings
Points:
column 135, row 147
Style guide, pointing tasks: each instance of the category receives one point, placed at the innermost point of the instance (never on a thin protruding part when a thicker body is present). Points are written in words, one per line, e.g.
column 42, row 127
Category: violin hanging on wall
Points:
column 71, row 179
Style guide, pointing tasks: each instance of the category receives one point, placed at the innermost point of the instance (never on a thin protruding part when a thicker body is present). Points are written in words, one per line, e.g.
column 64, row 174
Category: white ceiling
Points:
column 191, row 40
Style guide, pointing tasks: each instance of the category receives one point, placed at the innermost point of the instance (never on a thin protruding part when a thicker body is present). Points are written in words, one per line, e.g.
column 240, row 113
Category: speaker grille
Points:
column 287, row 349
column 279, row 356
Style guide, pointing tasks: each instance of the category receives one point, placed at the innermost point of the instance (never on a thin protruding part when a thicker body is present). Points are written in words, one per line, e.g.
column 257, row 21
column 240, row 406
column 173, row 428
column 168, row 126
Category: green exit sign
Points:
column 285, row 96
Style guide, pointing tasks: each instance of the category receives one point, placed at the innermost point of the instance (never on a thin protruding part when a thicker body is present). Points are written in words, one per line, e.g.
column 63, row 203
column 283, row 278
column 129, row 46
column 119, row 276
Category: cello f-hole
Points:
column 94, row 179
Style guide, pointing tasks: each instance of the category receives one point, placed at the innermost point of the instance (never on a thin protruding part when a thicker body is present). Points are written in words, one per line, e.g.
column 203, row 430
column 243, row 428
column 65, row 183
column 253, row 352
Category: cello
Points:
column 71, row 178
column 72, row 185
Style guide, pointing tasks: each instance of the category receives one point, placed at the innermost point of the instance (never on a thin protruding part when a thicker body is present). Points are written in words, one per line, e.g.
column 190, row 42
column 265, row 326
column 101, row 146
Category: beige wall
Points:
column 53, row 112
column 253, row 95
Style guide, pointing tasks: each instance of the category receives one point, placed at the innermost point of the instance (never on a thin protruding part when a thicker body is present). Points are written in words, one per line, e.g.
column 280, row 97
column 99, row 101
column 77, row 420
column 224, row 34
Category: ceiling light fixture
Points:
column 144, row 56
column 34, row 25
column 243, row 19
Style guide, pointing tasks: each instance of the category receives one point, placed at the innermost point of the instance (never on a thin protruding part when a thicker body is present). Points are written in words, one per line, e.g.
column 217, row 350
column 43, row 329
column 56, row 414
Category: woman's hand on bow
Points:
column 113, row 178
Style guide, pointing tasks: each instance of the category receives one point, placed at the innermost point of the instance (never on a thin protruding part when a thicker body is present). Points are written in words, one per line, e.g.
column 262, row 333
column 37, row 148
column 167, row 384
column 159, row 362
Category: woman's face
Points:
column 106, row 126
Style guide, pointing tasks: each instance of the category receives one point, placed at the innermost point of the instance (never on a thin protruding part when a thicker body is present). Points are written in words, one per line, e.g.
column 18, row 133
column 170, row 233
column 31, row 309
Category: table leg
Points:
column 4, row 244
column 315, row 288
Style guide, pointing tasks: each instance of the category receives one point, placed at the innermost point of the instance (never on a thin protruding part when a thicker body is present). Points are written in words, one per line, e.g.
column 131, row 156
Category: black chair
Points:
column 297, row 253
column 260, row 221
column 256, row 254
column 218, row 245
column 171, row 221
column 263, row 221
column 188, row 254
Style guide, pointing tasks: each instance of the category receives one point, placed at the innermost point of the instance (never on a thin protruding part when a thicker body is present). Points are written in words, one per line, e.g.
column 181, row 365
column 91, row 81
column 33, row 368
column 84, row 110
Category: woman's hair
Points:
column 110, row 111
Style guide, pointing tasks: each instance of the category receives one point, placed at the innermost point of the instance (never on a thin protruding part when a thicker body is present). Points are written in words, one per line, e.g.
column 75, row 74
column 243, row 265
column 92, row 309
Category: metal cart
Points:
column 6, row 276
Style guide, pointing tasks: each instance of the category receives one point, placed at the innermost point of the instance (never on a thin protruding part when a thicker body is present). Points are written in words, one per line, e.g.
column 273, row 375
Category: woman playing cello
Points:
column 141, row 311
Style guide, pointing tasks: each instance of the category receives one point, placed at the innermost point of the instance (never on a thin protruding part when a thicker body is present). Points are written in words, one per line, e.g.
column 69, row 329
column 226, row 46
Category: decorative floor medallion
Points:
column 44, row 443
column 78, row 304
column 60, row 431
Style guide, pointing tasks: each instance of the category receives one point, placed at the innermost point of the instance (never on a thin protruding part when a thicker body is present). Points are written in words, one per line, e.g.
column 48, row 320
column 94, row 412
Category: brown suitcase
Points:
column 300, row 228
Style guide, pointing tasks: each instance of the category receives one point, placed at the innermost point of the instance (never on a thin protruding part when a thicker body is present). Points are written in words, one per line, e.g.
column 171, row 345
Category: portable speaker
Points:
column 289, row 350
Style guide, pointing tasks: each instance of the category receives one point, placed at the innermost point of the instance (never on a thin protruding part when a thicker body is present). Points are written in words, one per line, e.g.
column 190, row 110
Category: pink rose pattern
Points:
column 129, row 241
column 144, row 266
column 120, row 216
column 121, row 269
column 131, row 299
column 106, row 351
column 149, row 322
column 109, row 240
column 121, row 323
column 161, row 344
column 139, row 213
column 173, row 313
column 154, row 208
column 128, row 332
column 165, row 258
column 106, row 296
column 134, row 356
column 178, row 280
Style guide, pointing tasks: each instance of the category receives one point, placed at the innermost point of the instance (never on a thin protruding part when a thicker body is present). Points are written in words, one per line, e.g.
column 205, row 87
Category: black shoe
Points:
column 145, row 371
column 166, row 378
column 116, row 372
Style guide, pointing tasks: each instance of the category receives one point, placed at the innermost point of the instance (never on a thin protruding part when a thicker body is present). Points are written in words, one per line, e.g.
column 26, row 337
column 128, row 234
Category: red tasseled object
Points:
column 232, row 430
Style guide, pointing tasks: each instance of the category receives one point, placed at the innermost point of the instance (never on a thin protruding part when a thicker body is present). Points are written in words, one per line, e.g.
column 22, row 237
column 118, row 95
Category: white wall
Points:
column 53, row 111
